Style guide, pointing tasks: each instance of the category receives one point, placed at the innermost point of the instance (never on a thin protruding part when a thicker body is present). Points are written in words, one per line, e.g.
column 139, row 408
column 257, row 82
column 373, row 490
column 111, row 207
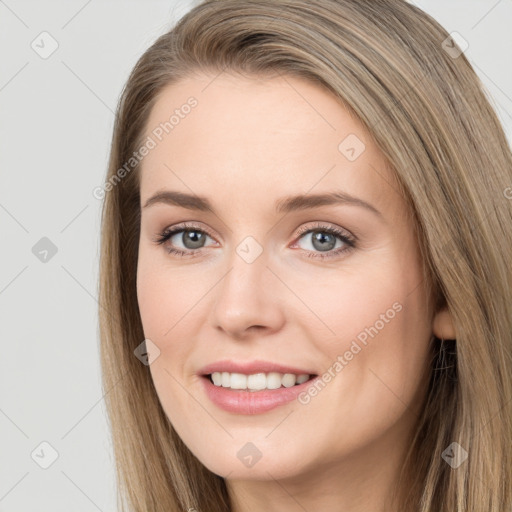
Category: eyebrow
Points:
column 284, row 205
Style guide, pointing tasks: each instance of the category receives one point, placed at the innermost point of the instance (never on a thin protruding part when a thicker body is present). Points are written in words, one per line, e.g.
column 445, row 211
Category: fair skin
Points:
column 248, row 143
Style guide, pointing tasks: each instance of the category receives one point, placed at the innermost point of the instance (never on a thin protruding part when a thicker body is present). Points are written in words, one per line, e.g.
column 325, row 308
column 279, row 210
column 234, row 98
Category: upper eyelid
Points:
column 319, row 225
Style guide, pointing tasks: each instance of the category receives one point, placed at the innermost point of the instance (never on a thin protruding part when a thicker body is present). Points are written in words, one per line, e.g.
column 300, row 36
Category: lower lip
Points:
column 252, row 402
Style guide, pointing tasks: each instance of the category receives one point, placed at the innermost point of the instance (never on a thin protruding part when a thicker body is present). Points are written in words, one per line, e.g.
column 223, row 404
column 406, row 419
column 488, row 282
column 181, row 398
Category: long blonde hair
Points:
column 397, row 70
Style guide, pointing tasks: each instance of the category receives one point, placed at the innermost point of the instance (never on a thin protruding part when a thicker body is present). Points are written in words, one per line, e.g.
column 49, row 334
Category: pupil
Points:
column 194, row 241
column 323, row 241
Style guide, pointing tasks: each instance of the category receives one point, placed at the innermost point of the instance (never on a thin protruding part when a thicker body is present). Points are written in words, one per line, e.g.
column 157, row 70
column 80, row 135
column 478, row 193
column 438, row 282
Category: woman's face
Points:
column 327, row 284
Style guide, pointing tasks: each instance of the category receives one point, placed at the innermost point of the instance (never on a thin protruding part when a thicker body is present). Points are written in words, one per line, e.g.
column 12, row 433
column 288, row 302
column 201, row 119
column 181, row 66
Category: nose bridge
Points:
column 246, row 296
column 247, row 276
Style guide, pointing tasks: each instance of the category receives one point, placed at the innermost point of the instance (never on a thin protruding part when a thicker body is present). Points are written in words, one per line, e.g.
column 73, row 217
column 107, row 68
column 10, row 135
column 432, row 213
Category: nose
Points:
column 248, row 300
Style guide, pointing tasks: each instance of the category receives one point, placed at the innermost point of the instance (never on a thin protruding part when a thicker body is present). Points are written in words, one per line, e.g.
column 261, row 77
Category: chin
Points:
column 250, row 461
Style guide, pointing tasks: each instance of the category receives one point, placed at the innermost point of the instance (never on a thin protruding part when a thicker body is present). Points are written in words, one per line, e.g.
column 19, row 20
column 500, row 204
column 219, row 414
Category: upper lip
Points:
column 251, row 367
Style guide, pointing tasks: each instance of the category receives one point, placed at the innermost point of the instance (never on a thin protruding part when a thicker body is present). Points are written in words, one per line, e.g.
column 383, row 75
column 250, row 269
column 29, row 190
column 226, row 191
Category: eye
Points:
column 192, row 238
column 324, row 239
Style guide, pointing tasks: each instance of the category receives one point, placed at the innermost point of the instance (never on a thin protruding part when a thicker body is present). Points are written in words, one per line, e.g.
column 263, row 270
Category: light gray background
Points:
column 56, row 123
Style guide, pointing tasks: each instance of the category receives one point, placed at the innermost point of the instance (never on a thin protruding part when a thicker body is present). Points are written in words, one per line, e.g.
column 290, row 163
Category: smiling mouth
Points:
column 258, row 381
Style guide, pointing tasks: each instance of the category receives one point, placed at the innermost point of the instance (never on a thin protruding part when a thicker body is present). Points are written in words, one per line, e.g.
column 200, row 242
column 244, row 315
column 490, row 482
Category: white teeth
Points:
column 238, row 381
column 288, row 380
column 217, row 378
column 302, row 378
column 274, row 380
column 257, row 381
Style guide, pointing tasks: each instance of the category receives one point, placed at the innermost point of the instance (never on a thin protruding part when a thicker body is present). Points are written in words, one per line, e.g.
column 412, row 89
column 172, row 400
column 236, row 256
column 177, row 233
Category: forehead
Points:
column 259, row 137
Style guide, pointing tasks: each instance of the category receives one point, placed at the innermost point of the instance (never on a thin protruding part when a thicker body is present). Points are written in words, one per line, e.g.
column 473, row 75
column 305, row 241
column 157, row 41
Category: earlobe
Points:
column 442, row 325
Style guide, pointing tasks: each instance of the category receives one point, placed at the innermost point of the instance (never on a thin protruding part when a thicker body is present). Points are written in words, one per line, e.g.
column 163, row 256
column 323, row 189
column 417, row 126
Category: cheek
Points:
column 378, row 322
column 348, row 302
column 164, row 300
column 156, row 307
column 381, row 347
column 172, row 314
column 166, row 296
column 375, row 362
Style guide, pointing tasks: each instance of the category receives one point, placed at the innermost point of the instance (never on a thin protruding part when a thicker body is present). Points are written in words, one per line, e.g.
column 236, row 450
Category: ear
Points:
column 442, row 325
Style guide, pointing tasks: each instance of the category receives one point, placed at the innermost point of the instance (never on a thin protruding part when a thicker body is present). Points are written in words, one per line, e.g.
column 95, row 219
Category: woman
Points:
column 245, row 369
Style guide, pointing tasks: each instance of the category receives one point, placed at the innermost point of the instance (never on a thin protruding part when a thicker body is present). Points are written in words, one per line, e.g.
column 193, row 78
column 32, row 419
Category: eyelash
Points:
column 349, row 241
